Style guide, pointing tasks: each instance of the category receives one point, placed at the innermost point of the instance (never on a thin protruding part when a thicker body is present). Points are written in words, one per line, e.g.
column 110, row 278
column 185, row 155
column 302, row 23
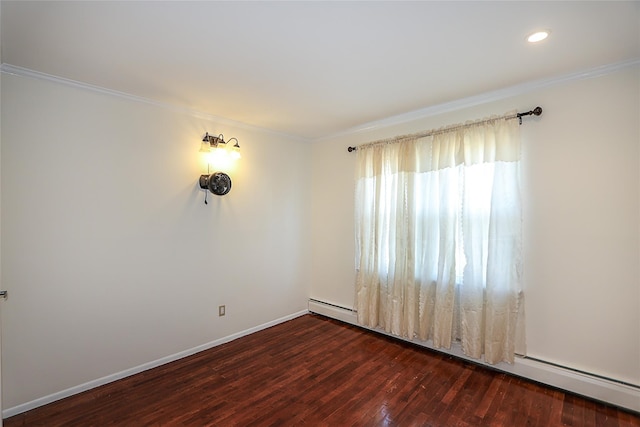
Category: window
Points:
column 438, row 230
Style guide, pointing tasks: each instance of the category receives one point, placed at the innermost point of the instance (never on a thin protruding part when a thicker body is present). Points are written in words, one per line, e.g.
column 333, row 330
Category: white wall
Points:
column 109, row 254
column 581, row 186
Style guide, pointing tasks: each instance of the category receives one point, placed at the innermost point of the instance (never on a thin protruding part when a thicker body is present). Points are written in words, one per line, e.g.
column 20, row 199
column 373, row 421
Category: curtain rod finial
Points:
column 350, row 149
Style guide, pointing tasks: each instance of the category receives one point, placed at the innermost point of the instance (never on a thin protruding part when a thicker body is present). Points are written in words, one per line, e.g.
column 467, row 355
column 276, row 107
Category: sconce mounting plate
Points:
column 219, row 183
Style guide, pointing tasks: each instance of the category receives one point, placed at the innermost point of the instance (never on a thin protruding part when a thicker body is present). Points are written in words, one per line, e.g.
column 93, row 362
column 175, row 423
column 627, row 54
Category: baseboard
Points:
column 582, row 383
column 9, row 412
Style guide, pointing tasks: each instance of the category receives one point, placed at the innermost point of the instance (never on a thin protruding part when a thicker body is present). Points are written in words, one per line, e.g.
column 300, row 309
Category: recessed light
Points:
column 538, row 36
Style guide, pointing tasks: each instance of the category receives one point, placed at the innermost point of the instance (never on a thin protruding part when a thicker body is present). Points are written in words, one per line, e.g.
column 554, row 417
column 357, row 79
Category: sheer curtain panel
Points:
column 438, row 237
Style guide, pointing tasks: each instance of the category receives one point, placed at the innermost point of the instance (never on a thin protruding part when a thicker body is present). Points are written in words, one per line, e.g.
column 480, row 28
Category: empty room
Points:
column 358, row 213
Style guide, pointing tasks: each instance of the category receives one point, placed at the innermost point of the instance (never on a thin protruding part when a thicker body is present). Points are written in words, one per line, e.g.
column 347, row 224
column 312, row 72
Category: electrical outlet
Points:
column 221, row 310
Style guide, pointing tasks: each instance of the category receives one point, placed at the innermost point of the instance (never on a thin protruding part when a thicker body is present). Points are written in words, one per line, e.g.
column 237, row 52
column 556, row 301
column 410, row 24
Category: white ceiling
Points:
column 313, row 69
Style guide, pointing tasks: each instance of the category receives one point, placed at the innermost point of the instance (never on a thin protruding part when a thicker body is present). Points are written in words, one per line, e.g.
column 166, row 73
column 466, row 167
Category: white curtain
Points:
column 438, row 237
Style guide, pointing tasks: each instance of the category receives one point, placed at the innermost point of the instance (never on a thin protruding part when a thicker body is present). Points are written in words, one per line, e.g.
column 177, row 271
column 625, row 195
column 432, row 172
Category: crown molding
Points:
column 26, row 72
column 483, row 98
column 410, row 116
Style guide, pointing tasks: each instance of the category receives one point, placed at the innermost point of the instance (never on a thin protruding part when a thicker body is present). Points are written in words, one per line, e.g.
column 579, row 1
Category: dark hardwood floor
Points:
column 319, row 372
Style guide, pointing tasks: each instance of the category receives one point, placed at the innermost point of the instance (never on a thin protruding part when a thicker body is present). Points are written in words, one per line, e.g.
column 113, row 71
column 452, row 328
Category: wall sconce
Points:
column 219, row 152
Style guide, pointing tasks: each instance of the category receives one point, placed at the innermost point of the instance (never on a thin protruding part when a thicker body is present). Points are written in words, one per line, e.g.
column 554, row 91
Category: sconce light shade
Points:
column 219, row 152
column 205, row 147
column 235, row 151
column 219, row 183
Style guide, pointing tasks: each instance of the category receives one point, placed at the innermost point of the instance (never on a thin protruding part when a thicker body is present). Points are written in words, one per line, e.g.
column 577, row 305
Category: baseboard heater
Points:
column 593, row 386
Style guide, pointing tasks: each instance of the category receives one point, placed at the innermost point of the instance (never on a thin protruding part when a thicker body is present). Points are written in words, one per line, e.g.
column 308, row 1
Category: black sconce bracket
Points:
column 215, row 140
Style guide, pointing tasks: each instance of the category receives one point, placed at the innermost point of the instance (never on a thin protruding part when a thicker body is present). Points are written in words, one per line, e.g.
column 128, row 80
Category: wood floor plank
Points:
column 488, row 397
column 314, row 371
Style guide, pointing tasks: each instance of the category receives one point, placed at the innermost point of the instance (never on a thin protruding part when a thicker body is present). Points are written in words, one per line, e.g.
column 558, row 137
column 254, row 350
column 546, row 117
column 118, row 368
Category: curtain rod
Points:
column 535, row 112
